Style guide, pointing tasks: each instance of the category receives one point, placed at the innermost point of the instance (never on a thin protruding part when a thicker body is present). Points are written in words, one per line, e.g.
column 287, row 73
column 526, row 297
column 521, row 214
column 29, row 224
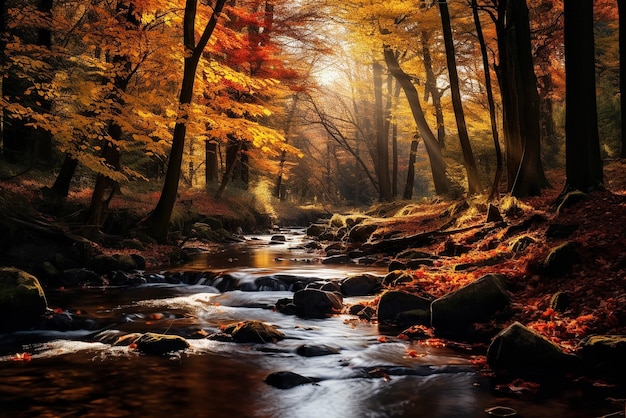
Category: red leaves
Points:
column 25, row 357
column 519, row 387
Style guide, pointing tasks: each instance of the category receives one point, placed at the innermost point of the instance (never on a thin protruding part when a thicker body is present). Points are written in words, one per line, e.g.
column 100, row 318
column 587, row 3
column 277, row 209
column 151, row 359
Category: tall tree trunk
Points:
column 382, row 138
column 432, row 89
column 211, row 162
column 233, row 153
column 491, row 103
column 61, row 186
column 437, row 164
column 394, row 165
column 391, row 127
column 159, row 218
column 473, row 182
column 3, row 60
column 410, row 175
column 622, row 70
column 520, row 101
column 583, row 162
column 278, row 188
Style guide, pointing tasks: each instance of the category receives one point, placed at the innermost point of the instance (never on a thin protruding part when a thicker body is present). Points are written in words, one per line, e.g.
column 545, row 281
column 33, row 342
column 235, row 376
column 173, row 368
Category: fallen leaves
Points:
column 25, row 357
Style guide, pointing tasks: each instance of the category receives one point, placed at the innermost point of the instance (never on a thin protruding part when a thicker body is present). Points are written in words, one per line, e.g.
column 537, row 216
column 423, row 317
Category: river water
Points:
column 81, row 374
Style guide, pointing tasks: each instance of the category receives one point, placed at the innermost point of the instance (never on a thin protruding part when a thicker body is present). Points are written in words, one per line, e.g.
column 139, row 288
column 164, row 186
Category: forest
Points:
column 471, row 149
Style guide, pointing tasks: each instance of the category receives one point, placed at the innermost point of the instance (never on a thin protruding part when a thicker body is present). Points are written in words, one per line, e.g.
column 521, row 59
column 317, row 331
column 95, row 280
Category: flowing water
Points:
column 81, row 374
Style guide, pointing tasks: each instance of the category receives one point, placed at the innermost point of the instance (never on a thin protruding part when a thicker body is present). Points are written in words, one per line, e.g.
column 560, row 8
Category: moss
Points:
column 561, row 259
column 337, row 221
column 22, row 299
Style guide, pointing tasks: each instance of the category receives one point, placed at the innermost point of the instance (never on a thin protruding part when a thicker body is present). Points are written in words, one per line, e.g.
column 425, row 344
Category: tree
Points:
column 437, row 163
column 382, row 138
column 520, row 100
column 468, row 156
column 490, row 100
column 410, row 176
column 622, row 70
column 158, row 220
column 582, row 142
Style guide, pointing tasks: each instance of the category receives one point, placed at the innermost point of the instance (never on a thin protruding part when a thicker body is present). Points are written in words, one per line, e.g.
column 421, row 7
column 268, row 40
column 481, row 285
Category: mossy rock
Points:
column 362, row 232
column 22, row 300
column 160, row 344
column 570, row 199
column 255, row 332
column 521, row 352
column 133, row 244
column 127, row 262
column 561, row 259
column 394, row 302
column 605, row 354
column 454, row 313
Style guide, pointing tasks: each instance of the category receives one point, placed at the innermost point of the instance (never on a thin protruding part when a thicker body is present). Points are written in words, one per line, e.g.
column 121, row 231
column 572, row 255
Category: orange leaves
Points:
column 25, row 357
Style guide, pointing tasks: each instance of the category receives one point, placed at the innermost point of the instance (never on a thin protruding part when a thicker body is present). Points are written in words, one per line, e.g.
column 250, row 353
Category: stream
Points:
column 81, row 374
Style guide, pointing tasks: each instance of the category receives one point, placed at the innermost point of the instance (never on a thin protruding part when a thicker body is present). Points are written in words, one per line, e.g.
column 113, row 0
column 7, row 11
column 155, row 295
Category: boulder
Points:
column 397, row 276
column 22, row 300
column 519, row 351
column 312, row 350
column 454, row 313
column 127, row 262
column 361, row 285
column 278, row 239
column 413, row 317
column 133, row 244
column 605, row 354
column 396, row 265
column 160, row 344
column 315, row 230
column 561, row 259
column 255, row 332
column 81, row 277
column 287, row 380
column 317, row 303
column 393, row 302
column 361, row 232
column 104, row 263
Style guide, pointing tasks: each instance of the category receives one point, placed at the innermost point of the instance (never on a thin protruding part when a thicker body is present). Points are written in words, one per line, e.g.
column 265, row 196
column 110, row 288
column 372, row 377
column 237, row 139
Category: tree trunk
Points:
column 61, row 186
column 492, row 106
column 622, row 69
column 158, row 220
column 473, row 182
column 437, row 164
column 432, row 90
column 583, row 163
column 410, row 175
column 382, row 138
column 211, row 162
column 520, row 102
column 278, row 188
column 233, row 154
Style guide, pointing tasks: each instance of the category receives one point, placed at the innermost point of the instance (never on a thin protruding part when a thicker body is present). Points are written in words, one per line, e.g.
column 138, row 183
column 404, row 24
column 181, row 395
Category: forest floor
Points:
column 595, row 285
